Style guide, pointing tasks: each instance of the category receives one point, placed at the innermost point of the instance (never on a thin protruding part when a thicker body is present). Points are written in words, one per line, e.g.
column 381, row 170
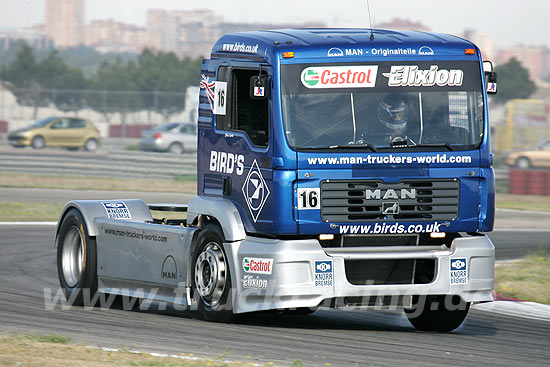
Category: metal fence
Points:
column 107, row 109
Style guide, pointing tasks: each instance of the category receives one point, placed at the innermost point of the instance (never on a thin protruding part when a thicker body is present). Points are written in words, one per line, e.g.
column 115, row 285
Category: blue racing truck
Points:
column 335, row 168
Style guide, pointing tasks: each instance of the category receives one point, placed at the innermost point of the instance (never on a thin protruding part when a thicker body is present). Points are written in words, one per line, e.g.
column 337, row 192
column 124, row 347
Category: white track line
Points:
column 528, row 310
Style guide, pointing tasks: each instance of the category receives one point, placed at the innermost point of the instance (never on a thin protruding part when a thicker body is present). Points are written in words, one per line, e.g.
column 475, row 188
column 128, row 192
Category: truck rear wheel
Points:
column 438, row 313
column 211, row 278
column 76, row 260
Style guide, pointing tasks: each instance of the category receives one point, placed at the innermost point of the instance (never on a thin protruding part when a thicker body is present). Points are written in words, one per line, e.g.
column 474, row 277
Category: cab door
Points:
column 59, row 133
column 245, row 163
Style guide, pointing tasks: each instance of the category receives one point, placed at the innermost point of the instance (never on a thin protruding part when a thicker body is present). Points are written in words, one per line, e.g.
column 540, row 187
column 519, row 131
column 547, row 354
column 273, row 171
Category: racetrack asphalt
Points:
column 341, row 338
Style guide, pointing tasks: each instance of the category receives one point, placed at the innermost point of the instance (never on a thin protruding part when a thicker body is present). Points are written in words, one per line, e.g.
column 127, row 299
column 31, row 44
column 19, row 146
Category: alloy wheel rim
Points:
column 72, row 256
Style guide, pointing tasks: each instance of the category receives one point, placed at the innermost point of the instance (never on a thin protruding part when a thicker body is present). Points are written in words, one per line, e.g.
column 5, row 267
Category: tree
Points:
column 165, row 79
column 23, row 79
column 65, row 83
column 113, row 89
column 36, row 83
column 513, row 82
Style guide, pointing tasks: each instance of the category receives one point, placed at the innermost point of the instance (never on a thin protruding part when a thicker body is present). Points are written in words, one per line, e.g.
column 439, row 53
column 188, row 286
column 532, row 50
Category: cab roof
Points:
column 316, row 42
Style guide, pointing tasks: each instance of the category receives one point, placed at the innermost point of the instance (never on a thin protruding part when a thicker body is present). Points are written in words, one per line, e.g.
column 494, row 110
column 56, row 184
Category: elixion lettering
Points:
column 410, row 76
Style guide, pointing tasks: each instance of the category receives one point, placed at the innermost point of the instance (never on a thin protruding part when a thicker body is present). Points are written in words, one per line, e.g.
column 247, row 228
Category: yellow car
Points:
column 538, row 156
column 69, row 132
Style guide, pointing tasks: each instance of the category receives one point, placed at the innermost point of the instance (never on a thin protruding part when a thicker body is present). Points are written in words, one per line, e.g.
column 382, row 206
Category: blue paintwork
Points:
column 284, row 169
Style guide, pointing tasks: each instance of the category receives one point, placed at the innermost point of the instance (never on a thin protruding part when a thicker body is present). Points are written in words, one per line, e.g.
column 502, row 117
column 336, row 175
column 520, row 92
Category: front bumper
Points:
column 291, row 281
column 19, row 141
column 152, row 144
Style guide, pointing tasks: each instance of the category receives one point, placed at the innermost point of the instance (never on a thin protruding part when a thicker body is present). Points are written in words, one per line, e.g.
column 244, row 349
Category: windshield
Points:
column 383, row 105
column 43, row 122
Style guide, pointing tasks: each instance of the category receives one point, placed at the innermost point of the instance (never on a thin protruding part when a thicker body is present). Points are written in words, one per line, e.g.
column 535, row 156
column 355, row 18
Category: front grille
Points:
column 15, row 137
column 375, row 200
column 387, row 272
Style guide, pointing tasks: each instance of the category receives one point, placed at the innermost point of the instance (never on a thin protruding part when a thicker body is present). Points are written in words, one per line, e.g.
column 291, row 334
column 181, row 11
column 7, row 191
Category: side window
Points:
column 77, row 124
column 61, row 124
column 189, row 129
column 248, row 115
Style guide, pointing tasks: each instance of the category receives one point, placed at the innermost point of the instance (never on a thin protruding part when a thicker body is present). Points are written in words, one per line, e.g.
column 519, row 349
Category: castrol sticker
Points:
column 339, row 76
column 257, row 265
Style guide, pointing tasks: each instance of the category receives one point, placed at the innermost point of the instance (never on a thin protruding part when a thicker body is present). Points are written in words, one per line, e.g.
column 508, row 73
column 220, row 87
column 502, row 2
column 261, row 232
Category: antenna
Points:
column 370, row 22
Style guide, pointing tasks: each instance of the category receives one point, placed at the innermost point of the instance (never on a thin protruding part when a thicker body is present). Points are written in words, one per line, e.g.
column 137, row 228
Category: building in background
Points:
column 482, row 40
column 33, row 36
column 112, row 36
column 403, row 24
column 193, row 33
column 65, row 22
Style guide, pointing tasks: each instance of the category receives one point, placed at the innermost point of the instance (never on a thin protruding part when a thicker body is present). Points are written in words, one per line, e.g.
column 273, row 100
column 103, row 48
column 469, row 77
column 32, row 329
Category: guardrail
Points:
column 108, row 161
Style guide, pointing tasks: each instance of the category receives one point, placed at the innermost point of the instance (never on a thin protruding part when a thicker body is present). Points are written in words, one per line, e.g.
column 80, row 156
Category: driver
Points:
column 391, row 122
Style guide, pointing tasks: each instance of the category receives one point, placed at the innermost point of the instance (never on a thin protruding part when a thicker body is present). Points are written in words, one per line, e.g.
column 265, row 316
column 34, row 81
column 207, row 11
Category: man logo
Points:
column 378, row 194
column 335, row 51
column 426, row 51
column 390, row 208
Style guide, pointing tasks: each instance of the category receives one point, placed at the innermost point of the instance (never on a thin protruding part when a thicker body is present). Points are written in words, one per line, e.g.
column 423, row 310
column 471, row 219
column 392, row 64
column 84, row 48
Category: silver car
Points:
column 173, row 137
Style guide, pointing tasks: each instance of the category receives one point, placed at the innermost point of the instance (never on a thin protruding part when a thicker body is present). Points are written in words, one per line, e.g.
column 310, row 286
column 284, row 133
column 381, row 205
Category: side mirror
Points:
column 259, row 87
column 490, row 77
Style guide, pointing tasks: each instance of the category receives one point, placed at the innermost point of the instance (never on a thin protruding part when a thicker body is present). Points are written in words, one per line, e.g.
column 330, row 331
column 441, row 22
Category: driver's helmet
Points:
column 392, row 112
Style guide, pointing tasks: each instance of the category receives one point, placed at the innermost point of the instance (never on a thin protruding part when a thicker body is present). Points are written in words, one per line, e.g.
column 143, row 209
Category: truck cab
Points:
column 351, row 136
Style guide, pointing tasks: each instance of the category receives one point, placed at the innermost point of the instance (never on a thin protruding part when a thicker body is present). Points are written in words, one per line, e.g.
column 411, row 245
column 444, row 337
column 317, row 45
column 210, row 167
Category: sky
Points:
column 510, row 22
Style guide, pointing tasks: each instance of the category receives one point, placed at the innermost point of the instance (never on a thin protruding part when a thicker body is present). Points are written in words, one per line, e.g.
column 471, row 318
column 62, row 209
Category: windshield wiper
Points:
column 354, row 146
column 434, row 145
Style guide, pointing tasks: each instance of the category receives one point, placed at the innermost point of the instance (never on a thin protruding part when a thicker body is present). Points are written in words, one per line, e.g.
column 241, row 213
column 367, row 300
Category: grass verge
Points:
column 523, row 202
column 184, row 184
column 56, row 350
column 520, row 202
column 15, row 211
column 526, row 279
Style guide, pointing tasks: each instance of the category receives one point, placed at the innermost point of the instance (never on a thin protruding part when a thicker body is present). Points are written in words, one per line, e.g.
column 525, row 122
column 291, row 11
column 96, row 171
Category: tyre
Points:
column 523, row 163
column 175, row 148
column 76, row 260
column 38, row 142
column 437, row 313
column 211, row 278
column 91, row 145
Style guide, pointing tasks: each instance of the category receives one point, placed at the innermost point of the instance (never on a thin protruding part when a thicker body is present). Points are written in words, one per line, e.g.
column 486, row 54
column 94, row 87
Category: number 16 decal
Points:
column 309, row 199
column 220, row 96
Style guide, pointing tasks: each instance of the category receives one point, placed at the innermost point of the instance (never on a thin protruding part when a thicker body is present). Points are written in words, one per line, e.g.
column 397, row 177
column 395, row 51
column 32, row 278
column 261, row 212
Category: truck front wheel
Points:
column 211, row 279
column 76, row 260
column 437, row 313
